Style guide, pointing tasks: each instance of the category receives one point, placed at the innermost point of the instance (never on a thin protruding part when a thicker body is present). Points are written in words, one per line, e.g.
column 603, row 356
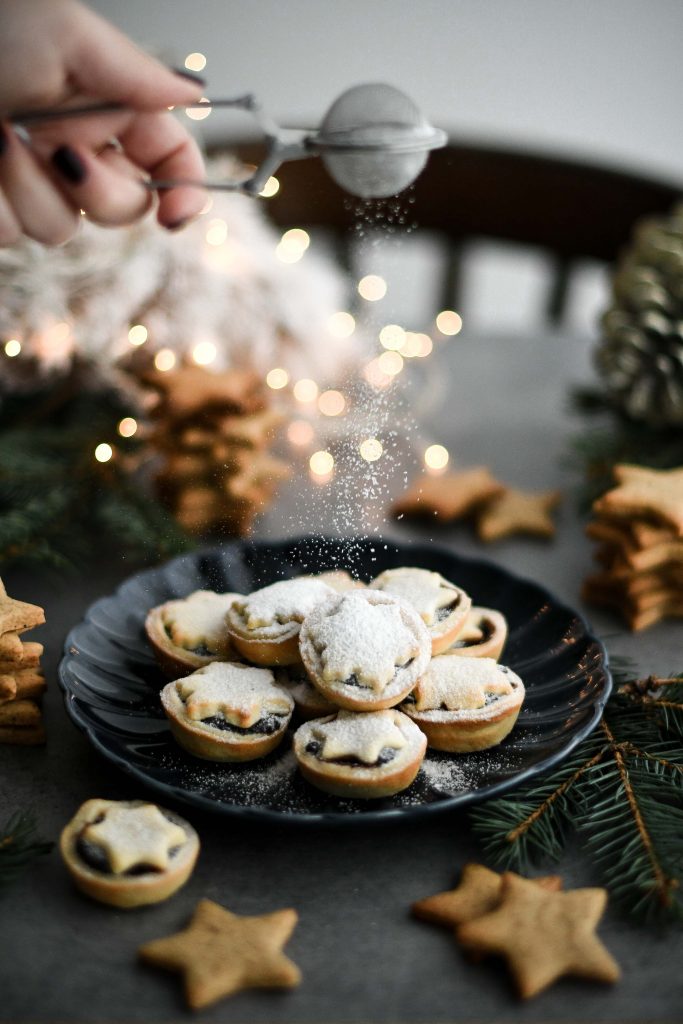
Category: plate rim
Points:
column 259, row 813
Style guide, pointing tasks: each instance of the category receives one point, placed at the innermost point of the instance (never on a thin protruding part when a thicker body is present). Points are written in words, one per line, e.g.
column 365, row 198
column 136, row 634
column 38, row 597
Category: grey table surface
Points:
column 63, row 958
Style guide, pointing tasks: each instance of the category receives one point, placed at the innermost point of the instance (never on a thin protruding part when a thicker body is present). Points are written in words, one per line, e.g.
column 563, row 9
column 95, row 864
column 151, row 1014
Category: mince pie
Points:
column 364, row 650
column 189, row 633
column 442, row 606
column 464, row 704
column 264, row 626
column 360, row 754
column 483, row 635
column 227, row 711
column 128, row 853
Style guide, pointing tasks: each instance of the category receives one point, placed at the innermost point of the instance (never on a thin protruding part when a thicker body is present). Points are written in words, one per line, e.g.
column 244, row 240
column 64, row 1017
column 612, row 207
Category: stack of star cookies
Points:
column 212, row 432
column 21, row 681
column 639, row 527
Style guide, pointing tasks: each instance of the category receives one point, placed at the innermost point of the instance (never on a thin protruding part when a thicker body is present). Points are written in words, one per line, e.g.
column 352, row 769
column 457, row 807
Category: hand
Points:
column 57, row 53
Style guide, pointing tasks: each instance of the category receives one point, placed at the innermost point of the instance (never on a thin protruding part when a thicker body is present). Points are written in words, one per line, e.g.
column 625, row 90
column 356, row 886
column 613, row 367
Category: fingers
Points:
column 108, row 187
column 159, row 144
column 31, row 203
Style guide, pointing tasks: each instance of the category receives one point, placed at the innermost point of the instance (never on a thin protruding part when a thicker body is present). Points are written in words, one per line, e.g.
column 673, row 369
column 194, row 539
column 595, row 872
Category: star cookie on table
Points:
column 220, row 953
column 192, row 391
column 242, row 694
column 449, row 497
column 516, row 511
column 361, row 735
column 477, row 894
column 131, row 836
column 543, row 935
column 655, row 493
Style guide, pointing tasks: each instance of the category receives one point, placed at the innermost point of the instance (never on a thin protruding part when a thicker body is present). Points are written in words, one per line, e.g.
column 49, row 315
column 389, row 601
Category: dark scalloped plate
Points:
column 111, row 684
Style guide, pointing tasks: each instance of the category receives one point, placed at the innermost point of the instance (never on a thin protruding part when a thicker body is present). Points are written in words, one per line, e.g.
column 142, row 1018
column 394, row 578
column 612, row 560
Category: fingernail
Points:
column 69, row 164
column 184, row 73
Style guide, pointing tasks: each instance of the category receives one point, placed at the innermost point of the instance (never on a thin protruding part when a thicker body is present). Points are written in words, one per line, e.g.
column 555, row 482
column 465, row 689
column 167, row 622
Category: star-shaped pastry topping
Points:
column 516, row 511
column 220, row 953
column 362, row 735
column 656, row 493
column 368, row 641
column 426, row 591
column 478, row 893
column 132, row 836
column 472, row 633
column 242, row 694
column 283, row 602
column 450, row 496
column 459, row 684
column 200, row 620
column 543, row 935
column 18, row 616
column 192, row 390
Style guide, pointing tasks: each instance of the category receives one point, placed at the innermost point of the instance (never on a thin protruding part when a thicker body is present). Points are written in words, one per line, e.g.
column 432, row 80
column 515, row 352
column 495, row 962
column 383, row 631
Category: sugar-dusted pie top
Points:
column 241, row 694
column 460, row 684
column 135, row 836
column 361, row 735
column 281, row 603
column 428, row 592
column 364, row 639
column 199, row 620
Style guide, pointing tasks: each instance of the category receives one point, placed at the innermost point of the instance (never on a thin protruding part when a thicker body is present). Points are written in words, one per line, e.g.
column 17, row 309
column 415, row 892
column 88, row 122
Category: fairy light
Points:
column 321, row 464
column 204, row 353
column 104, row 452
column 296, row 238
column 197, row 114
column 372, row 287
column 216, row 232
column 392, row 337
column 207, row 205
column 341, row 325
column 277, row 378
column 127, row 427
column 271, row 188
column 449, row 322
column 390, row 363
column 138, row 334
column 288, row 255
column 412, row 346
column 436, row 458
column 12, row 347
column 195, row 61
column 165, row 359
column 370, row 449
column 305, row 390
column 375, row 376
column 426, row 345
column 300, row 433
column 332, row 403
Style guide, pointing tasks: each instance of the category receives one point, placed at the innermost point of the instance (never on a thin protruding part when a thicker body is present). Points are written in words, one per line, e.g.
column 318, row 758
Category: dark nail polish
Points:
column 184, row 73
column 69, row 164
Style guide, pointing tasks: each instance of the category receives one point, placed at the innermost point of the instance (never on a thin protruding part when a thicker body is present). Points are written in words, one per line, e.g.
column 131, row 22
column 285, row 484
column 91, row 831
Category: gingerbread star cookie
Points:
column 477, row 894
column 220, row 953
column 653, row 493
column 543, row 935
column 18, row 616
column 516, row 511
column 448, row 497
column 192, row 391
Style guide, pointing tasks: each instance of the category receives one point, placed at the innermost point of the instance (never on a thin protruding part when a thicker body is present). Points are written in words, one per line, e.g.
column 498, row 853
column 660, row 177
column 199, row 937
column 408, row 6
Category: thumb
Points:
column 103, row 62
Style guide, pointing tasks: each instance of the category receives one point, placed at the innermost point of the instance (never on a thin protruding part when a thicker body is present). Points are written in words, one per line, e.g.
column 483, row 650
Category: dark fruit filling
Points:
column 264, row 727
column 487, row 631
column 95, row 857
column 443, row 613
column 386, row 754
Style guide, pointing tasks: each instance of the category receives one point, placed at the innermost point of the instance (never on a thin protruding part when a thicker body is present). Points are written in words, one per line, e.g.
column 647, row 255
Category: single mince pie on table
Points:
column 363, row 755
column 190, row 632
column 364, row 650
column 128, row 853
column 442, row 606
column 264, row 626
column 227, row 711
column 483, row 635
column 464, row 704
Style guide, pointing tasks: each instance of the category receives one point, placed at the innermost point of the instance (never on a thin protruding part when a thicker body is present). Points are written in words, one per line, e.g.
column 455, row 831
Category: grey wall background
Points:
column 601, row 79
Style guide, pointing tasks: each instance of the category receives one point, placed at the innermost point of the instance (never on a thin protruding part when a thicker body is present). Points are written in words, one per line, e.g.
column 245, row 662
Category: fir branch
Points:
column 19, row 846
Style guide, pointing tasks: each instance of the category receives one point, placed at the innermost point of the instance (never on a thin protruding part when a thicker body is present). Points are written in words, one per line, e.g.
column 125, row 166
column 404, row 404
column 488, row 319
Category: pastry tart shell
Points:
column 282, row 649
column 492, row 645
column 176, row 661
column 211, row 744
column 362, row 782
column 126, row 891
column 442, row 634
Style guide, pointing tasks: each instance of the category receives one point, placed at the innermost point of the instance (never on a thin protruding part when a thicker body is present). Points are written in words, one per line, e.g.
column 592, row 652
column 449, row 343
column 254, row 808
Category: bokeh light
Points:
column 392, row 337
column 204, row 353
column 128, row 426
column 271, row 188
column 436, row 457
column 341, row 325
column 322, row 464
column 195, row 61
column 305, row 390
column 449, row 322
column 104, row 452
column 332, row 403
column 370, row 449
column 165, row 359
column 277, row 378
column 199, row 113
column 372, row 287
column 216, row 232
column 300, row 433
column 137, row 335
column 390, row 363
column 12, row 347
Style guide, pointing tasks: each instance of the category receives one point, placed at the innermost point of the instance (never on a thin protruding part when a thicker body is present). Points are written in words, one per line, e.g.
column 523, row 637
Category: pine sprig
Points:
column 621, row 791
column 19, row 847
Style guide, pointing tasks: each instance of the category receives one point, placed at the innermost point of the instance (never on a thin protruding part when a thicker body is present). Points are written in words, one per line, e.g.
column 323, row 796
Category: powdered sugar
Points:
column 460, row 684
column 199, row 619
column 242, row 694
column 135, row 835
column 282, row 603
column 362, row 736
column 426, row 591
